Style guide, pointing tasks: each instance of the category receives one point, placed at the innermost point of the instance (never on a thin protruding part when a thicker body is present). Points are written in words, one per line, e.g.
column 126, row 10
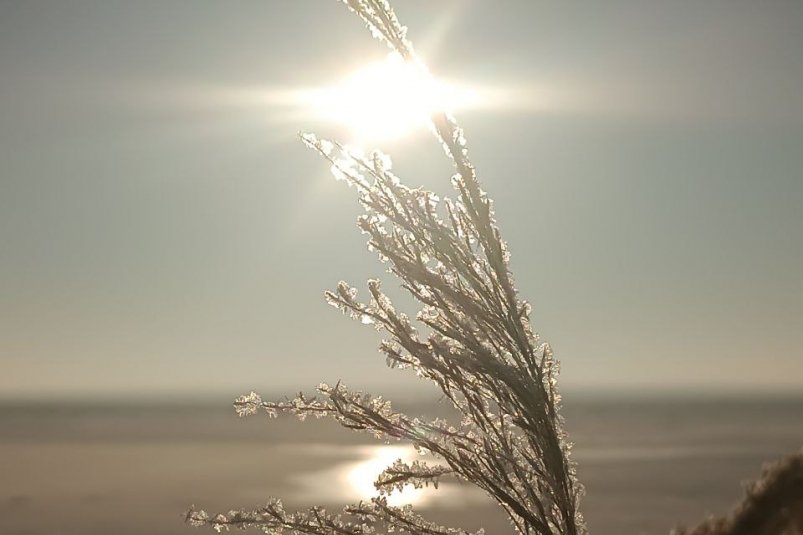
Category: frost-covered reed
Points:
column 471, row 337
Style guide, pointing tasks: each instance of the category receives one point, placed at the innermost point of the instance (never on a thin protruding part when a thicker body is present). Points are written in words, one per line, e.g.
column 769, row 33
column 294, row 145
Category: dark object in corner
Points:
column 773, row 504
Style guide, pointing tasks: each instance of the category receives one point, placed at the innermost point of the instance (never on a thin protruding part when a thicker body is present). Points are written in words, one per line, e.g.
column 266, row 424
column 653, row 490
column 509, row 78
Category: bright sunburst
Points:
column 388, row 99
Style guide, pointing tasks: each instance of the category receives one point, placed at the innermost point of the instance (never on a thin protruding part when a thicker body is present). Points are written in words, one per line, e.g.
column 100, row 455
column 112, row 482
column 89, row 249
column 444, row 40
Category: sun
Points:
column 388, row 100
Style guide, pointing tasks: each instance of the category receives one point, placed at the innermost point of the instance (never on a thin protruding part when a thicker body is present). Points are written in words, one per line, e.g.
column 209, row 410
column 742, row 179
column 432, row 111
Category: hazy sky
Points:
column 163, row 231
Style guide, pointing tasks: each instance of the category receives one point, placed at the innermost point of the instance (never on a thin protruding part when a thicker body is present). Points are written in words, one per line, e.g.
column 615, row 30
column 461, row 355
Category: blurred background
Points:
column 165, row 241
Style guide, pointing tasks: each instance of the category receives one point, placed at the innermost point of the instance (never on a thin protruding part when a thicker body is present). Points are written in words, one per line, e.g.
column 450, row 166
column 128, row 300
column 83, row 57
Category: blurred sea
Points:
column 647, row 464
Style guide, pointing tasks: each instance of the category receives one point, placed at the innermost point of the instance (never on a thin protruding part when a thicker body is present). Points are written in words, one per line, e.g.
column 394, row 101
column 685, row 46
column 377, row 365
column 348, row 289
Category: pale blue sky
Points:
column 160, row 235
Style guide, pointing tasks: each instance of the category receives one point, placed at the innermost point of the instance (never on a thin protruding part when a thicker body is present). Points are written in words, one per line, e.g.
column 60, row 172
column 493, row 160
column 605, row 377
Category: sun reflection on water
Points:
column 353, row 469
column 360, row 476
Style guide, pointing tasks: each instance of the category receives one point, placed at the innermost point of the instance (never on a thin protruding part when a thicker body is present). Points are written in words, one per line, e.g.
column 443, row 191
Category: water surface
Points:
column 112, row 469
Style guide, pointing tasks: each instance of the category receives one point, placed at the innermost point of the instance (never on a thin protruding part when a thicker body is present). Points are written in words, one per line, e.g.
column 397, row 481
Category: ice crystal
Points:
column 248, row 404
column 418, row 474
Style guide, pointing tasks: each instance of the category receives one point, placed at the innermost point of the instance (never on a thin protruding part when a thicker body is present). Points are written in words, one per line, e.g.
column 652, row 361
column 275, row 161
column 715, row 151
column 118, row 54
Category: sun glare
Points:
column 388, row 100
